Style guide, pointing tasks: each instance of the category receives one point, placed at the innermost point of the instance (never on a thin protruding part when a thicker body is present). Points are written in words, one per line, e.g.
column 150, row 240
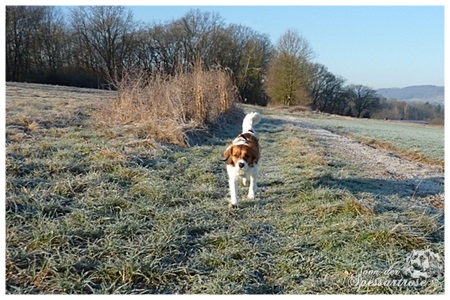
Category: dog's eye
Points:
column 245, row 156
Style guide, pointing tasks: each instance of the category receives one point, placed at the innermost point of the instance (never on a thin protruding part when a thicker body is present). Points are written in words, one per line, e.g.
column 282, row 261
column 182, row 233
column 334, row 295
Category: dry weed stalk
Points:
column 166, row 107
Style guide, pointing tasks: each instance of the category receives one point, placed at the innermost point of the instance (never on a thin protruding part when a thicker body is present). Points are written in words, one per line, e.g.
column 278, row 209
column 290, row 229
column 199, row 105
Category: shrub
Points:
column 166, row 107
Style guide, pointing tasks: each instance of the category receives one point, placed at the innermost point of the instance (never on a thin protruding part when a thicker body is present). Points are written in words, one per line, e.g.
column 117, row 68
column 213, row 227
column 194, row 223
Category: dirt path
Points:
column 363, row 168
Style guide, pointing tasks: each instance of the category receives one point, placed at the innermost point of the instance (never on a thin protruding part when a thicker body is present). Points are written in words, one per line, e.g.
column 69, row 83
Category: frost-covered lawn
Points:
column 425, row 139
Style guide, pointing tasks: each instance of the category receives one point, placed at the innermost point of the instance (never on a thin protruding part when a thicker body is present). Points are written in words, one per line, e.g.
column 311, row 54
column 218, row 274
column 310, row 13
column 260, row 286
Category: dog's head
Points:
column 242, row 155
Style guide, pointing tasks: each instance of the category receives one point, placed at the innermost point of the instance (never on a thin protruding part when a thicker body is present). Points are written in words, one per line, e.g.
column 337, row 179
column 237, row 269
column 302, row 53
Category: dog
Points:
column 243, row 158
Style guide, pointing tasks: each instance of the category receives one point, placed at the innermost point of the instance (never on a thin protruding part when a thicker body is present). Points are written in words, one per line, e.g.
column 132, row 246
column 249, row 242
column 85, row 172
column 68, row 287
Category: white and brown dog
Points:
column 242, row 158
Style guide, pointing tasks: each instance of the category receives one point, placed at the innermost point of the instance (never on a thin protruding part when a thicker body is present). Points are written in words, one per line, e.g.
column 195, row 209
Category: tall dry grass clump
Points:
column 166, row 107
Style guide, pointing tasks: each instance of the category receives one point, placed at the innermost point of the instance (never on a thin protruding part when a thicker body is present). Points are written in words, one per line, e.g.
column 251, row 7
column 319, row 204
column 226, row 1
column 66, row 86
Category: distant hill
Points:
column 422, row 93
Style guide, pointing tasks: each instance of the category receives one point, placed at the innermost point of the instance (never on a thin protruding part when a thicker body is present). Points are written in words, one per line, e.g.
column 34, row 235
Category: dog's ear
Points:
column 254, row 155
column 227, row 155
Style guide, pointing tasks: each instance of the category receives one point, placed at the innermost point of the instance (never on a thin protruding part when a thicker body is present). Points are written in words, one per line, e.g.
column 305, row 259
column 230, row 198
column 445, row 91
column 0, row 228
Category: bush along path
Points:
column 94, row 209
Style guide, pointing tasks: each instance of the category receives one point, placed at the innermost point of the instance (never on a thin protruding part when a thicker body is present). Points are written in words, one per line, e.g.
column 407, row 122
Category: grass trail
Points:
column 96, row 209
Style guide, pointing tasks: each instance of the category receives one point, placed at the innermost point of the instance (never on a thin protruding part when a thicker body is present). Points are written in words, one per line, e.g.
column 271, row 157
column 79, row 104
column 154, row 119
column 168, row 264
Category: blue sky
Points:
column 376, row 46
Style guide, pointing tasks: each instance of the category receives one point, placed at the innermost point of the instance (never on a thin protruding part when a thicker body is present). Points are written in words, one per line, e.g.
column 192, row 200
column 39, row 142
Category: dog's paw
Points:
column 244, row 181
column 251, row 196
column 232, row 206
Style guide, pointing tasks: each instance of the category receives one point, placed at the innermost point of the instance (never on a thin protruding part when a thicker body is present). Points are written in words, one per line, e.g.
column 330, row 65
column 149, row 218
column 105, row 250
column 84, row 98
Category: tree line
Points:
column 97, row 46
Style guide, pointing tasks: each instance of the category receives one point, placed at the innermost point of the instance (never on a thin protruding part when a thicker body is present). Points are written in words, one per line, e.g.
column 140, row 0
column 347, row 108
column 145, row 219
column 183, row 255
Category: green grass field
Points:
column 93, row 208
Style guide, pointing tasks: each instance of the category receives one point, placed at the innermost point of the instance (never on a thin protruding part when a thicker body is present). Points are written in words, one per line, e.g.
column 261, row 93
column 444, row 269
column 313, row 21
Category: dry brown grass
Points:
column 166, row 107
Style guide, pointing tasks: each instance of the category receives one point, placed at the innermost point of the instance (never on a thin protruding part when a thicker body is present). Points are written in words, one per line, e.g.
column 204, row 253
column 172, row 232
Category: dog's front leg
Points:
column 233, row 192
column 252, row 188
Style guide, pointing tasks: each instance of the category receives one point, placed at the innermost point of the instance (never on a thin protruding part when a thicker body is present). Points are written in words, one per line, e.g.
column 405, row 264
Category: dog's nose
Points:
column 241, row 165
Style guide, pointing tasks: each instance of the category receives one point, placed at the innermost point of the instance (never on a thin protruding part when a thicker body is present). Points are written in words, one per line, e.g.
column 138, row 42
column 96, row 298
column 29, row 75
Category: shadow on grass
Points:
column 226, row 127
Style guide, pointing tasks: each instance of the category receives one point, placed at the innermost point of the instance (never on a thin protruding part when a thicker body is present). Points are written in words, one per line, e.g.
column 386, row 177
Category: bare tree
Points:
column 327, row 90
column 363, row 99
column 105, row 37
column 201, row 35
column 52, row 42
column 21, row 32
column 288, row 69
column 249, row 58
column 197, row 36
column 317, row 85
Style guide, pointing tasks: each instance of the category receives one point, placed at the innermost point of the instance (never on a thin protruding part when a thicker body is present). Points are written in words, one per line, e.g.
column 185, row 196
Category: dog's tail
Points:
column 250, row 120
